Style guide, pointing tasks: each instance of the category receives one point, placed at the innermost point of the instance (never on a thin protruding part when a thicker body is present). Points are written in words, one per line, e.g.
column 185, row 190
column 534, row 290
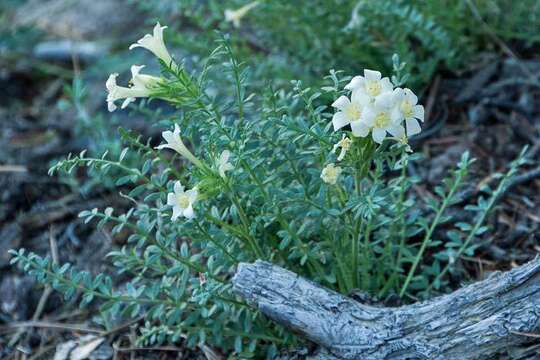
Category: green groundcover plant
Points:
column 304, row 38
column 278, row 175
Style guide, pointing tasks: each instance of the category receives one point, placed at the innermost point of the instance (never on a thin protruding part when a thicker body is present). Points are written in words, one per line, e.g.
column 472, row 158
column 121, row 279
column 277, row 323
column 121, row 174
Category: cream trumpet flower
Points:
column 182, row 201
column 407, row 108
column 155, row 44
column 223, row 164
column 372, row 84
column 344, row 144
column 141, row 86
column 174, row 142
column 235, row 16
column 379, row 119
column 349, row 111
column 330, row 174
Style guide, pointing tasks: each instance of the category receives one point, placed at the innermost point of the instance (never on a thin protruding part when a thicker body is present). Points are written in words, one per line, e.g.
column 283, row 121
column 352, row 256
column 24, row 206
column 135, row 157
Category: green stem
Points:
column 474, row 230
column 244, row 220
column 401, row 217
column 346, row 284
column 195, row 267
column 366, row 266
column 216, row 243
column 95, row 293
column 427, row 237
column 364, row 153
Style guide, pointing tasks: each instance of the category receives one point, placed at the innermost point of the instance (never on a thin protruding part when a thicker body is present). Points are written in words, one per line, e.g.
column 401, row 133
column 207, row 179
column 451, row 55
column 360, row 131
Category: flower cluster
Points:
column 140, row 85
column 182, row 201
column 376, row 106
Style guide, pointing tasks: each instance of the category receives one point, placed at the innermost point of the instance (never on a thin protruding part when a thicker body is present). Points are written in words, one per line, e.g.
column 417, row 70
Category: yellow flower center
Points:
column 332, row 172
column 373, row 87
column 353, row 112
column 345, row 143
column 382, row 120
column 407, row 109
column 183, row 201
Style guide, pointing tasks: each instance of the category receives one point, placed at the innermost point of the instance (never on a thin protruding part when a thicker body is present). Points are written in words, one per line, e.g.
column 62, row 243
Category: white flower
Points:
column 235, row 16
column 407, row 108
column 371, row 84
column 380, row 119
column 139, row 80
column 155, row 44
column 142, row 86
column 349, row 111
column 224, row 164
column 182, row 201
column 345, row 145
column 377, row 107
column 174, row 142
column 330, row 174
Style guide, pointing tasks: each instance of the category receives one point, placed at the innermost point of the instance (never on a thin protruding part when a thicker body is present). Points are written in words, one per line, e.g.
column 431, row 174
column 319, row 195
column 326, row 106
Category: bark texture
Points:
column 475, row 322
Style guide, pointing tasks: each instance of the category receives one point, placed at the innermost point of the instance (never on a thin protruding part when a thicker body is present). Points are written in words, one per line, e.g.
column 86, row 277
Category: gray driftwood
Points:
column 475, row 322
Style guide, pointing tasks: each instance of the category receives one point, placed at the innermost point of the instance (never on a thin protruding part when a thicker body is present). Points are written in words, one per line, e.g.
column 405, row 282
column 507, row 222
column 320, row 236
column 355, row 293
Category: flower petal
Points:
column 339, row 120
column 359, row 129
column 411, row 97
column 396, row 116
column 127, row 101
column 171, row 199
column 110, row 84
column 355, row 83
column 188, row 212
column 378, row 135
column 386, row 85
column 341, row 102
column 372, row 75
column 111, row 106
column 368, row 117
column 135, row 70
column 385, row 100
column 418, row 112
column 164, row 146
column 342, row 154
column 360, row 97
column 396, row 131
column 178, row 188
column 399, row 93
column 176, row 212
column 158, row 30
column 413, row 127
column 168, row 136
column 192, row 195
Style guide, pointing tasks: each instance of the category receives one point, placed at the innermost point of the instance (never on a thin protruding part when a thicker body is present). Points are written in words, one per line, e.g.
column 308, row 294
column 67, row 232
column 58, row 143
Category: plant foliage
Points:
column 365, row 232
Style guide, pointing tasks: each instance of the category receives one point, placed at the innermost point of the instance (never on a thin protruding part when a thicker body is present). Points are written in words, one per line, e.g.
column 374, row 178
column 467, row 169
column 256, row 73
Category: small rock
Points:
column 66, row 50
column 81, row 19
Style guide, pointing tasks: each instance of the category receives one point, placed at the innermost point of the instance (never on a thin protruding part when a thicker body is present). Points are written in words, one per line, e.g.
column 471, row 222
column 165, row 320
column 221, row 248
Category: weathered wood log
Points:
column 475, row 322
